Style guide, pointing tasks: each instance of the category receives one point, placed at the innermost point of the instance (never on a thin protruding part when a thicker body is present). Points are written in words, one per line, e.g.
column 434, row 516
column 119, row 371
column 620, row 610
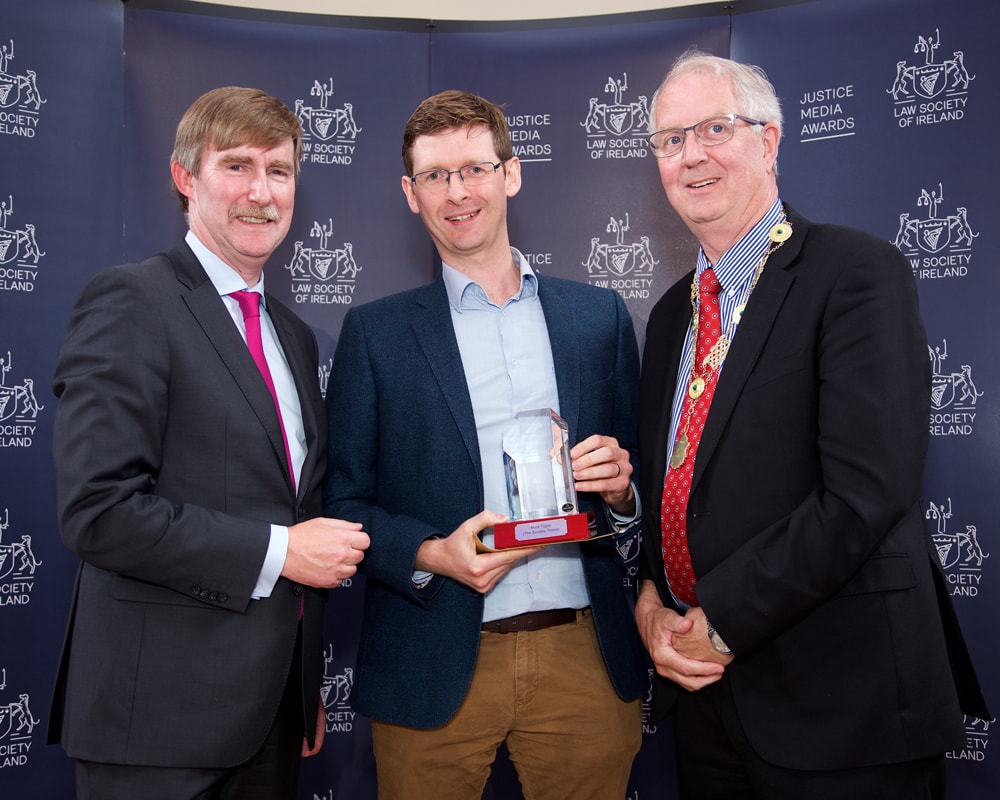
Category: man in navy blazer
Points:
column 461, row 651
column 193, row 660
column 817, row 655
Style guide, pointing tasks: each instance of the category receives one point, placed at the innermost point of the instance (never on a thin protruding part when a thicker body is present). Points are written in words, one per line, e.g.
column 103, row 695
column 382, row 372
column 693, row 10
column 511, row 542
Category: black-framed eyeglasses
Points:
column 471, row 174
column 710, row 132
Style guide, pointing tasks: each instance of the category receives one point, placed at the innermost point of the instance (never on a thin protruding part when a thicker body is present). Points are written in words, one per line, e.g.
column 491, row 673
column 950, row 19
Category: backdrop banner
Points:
column 888, row 124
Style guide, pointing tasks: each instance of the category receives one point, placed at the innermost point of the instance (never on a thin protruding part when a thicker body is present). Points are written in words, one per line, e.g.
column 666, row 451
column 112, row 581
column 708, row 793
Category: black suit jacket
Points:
column 170, row 469
column 805, row 521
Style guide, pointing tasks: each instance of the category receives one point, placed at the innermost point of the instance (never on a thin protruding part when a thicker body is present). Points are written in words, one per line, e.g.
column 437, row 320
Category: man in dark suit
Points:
column 789, row 594
column 192, row 663
column 461, row 651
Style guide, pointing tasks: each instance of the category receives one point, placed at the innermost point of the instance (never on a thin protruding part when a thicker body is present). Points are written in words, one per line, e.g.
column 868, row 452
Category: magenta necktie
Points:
column 677, row 484
column 250, row 306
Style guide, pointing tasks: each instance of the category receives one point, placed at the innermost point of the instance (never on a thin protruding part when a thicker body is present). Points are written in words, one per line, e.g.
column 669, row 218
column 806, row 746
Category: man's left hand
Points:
column 600, row 465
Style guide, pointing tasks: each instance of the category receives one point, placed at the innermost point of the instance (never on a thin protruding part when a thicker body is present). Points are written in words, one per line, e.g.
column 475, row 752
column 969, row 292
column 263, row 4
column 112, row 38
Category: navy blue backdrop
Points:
column 890, row 122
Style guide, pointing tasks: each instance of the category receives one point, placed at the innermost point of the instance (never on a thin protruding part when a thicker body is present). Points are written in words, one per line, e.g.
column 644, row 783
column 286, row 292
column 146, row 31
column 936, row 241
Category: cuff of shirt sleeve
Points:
column 621, row 524
column 274, row 561
column 421, row 579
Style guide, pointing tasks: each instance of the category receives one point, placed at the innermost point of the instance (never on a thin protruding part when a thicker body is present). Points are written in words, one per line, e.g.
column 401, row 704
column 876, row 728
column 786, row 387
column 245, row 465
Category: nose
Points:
column 456, row 186
column 693, row 151
column 259, row 190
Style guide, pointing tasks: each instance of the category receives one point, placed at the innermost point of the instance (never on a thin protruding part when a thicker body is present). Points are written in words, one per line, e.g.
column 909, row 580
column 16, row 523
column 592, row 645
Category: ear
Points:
column 770, row 136
column 512, row 176
column 411, row 198
column 183, row 180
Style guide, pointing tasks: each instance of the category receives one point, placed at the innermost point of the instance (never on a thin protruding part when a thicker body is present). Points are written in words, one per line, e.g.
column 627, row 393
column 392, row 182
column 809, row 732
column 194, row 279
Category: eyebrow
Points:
column 233, row 159
column 237, row 159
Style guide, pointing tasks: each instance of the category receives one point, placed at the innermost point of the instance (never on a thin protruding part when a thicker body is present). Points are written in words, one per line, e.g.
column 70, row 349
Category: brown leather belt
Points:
column 532, row 621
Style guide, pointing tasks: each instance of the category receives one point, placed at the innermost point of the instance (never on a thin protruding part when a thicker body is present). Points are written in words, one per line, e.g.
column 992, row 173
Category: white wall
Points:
column 460, row 9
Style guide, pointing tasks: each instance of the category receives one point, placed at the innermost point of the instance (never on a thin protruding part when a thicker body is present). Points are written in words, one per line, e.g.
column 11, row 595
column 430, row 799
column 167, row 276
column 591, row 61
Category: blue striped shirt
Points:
column 734, row 271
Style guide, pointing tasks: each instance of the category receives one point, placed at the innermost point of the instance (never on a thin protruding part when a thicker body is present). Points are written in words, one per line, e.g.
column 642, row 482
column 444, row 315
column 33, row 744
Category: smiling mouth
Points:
column 255, row 216
column 703, row 184
column 462, row 217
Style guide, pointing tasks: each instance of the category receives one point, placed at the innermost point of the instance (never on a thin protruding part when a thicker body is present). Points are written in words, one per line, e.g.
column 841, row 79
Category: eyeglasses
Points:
column 435, row 180
column 710, row 132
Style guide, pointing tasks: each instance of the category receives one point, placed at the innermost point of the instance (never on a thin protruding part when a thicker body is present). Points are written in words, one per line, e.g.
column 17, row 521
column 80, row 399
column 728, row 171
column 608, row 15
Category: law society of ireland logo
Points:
column 958, row 547
column 932, row 92
column 17, row 724
column 977, row 739
column 17, row 565
column 20, row 101
column 328, row 134
column 18, row 407
column 336, row 694
column 954, row 395
column 19, row 253
column 625, row 265
column 617, row 129
column 937, row 245
column 323, row 274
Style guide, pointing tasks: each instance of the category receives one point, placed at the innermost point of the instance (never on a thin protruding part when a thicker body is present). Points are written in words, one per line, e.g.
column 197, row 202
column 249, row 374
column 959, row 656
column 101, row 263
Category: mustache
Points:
column 270, row 213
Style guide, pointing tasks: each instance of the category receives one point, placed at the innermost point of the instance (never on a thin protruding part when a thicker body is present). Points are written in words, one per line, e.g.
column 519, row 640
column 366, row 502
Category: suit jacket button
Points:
column 223, row 598
column 196, row 590
column 297, row 589
column 300, row 512
column 203, row 594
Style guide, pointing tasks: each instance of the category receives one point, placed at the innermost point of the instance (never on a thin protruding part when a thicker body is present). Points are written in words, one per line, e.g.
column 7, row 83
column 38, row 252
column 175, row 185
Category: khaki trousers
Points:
column 545, row 693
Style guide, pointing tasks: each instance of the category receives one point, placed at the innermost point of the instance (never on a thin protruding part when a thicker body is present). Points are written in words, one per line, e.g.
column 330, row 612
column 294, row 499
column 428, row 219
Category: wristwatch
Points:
column 716, row 640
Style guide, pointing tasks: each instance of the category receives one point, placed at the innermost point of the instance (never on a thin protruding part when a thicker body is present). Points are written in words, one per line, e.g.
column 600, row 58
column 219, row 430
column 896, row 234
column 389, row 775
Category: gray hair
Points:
column 754, row 92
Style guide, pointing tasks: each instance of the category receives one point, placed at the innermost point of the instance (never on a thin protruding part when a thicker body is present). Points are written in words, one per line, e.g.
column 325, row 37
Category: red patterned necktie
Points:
column 250, row 306
column 677, row 484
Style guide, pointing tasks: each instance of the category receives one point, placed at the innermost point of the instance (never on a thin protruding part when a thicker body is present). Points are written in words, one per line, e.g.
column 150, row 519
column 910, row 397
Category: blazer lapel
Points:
column 435, row 335
column 763, row 308
column 210, row 313
column 562, row 325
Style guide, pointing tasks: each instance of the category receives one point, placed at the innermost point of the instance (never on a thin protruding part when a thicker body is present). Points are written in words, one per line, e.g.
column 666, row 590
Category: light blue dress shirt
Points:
column 508, row 368
column 226, row 280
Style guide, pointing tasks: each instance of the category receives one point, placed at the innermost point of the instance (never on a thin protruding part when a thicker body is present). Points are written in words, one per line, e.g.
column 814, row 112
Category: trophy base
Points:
column 528, row 532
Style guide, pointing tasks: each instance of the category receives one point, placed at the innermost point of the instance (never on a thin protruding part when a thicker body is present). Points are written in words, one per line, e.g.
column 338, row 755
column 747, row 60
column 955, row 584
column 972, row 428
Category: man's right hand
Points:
column 455, row 556
column 658, row 625
column 324, row 552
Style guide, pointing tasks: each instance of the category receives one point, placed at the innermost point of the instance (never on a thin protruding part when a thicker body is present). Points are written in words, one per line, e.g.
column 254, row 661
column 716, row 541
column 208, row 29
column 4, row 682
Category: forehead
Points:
column 692, row 97
column 453, row 147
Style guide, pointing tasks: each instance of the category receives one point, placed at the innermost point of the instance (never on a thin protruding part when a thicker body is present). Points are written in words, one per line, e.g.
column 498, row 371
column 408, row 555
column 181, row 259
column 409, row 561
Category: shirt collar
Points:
column 224, row 278
column 464, row 293
column 739, row 262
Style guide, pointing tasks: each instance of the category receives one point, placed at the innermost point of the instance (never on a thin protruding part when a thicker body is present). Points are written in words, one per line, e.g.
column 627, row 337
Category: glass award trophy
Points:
column 540, row 490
